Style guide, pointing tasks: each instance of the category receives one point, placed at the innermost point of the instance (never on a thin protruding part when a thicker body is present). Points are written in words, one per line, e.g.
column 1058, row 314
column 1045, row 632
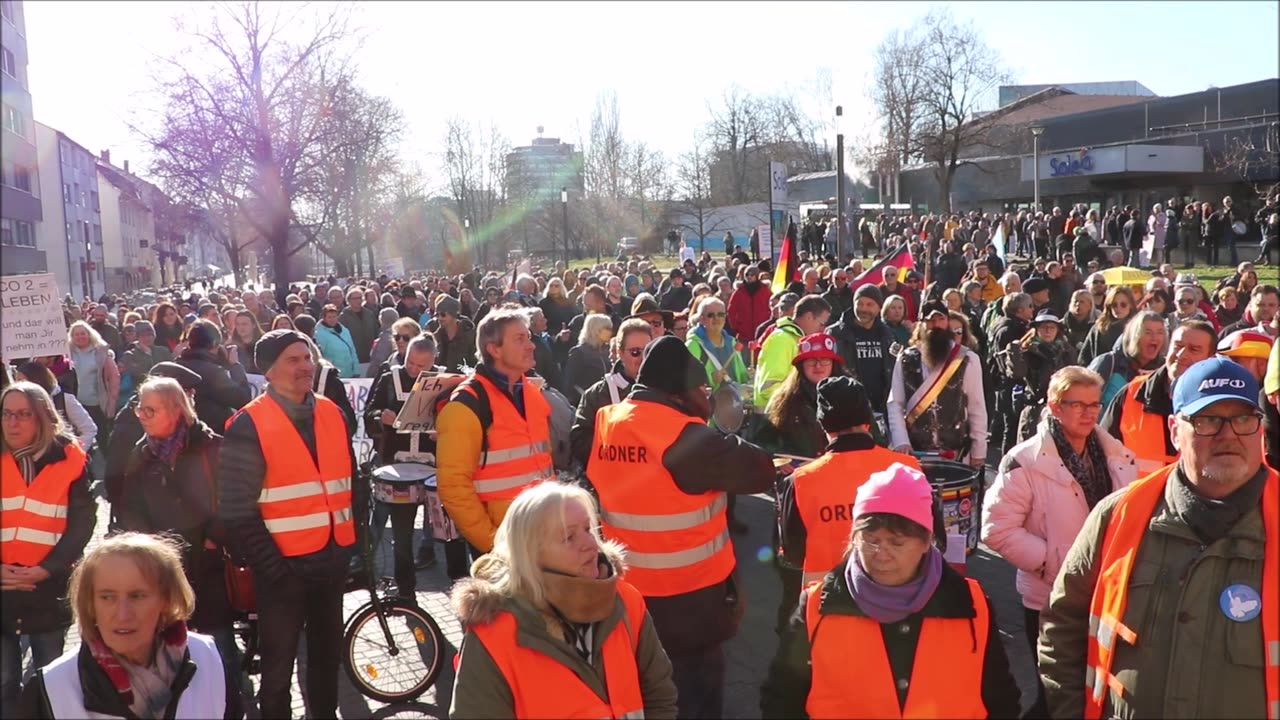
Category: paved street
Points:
column 749, row 653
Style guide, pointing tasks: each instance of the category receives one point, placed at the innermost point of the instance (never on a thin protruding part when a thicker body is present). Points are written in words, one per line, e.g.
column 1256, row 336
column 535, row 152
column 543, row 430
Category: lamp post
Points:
column 564, row 207
column 840, row 239
column 1036, row 131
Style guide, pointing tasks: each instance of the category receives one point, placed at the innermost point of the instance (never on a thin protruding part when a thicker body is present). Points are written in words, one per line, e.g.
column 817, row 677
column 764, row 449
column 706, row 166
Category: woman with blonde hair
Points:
column 1046, row 487
column 136, row 658
column 97, row 375
column 1119, row 306
column 589, row 359
column 552, row 629
column 47, row 516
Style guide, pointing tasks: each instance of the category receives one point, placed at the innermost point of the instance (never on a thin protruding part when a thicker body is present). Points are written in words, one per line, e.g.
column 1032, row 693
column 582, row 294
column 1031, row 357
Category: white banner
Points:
column 766, row 241
column 777, row 184
column 31, row 322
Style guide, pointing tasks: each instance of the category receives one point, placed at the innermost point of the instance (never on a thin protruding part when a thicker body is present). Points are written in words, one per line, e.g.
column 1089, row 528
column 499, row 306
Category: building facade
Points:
column 1203, row 145
column 536, row 175
column 128, row 231
column 21, row 211
column 71, row 234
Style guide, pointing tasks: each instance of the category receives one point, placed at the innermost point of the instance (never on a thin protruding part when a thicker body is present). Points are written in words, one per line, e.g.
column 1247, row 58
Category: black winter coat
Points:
column 223, row 387
column 452, row 354
column 585, row 368
column 180, row 500
column 45, row 608
column 786, row 687
column 583, row 432
column 867, row 355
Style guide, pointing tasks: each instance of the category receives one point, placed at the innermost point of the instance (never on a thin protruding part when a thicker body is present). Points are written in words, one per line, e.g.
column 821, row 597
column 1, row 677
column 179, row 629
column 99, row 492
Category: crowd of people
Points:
column 588, row 461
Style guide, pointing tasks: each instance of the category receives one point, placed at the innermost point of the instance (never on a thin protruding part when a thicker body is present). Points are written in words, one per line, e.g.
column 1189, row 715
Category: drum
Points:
column 959, row 489
column 442, row 527
column 402, row 483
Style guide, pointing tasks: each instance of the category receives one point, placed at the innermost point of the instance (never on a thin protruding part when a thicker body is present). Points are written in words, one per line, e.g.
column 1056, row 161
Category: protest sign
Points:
column 419, row 411
column 31, row 322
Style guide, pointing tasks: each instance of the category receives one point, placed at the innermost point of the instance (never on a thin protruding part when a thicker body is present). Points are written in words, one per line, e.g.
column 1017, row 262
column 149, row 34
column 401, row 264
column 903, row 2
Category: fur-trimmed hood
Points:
column 478, row 600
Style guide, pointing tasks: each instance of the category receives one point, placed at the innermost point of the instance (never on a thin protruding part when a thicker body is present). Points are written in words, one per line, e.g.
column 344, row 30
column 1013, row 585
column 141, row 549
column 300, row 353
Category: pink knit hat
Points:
column 899, row 490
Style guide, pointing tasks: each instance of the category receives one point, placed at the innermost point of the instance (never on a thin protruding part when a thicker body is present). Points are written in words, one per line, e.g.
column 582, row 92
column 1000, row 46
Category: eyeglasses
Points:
column 146, row 413
column 23, row 415
column 635, row 352
column 716, row 315
column 404, row 338
column 1209, row 425
column 1081, row 406
column 680, row 328
column 871, row 549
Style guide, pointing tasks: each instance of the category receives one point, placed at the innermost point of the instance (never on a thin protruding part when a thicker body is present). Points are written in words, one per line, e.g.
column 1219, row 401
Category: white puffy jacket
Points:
column 1035, row 508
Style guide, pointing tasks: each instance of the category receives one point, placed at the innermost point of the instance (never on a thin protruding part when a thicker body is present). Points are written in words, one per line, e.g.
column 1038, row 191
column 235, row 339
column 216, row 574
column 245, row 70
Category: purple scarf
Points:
column 167, row 449
column 891, row 604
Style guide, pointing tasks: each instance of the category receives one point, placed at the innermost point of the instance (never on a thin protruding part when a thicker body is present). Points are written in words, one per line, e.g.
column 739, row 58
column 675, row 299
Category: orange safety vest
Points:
column 1143, row 432
column 543, row 687
column 517, row 452
column 852, row 676
column 301, row 502
column 33, row 517
column 676, row 542
column 1116, row 558
column 824, row 491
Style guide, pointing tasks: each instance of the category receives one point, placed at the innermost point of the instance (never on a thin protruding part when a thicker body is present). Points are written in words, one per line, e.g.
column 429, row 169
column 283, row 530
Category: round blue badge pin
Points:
column 1240, row 603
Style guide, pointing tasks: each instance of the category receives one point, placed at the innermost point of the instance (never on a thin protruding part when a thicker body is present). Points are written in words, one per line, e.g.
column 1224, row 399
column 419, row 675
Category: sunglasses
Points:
column 635, row 352
column 404, row 338
column 716, row 315
column 1186, row 302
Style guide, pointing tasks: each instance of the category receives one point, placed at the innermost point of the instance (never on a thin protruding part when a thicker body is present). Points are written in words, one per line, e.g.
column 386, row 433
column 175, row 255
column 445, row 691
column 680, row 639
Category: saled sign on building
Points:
column 31, row 322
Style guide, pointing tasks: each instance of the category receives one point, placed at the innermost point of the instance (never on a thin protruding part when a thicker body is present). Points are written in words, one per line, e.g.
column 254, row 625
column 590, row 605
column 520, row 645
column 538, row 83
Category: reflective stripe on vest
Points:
column 824, row 491
column 518, row 449
column 205, row 696
column 946, row 677
column 1143, row 432
column 543, row 687
column 1116, row 557
column 33, row 517
column 676, row 542
column 302, row 503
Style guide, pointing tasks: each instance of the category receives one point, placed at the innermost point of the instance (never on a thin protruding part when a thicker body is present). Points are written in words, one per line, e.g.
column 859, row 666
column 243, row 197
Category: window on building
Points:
column 76, row 195
column 24, row 234
column 6, row 9
column 68, row 232
column 66, row 193
column 13, row 120
column 22, row 178
column 93, row 197
column 97, row 234
column 6, row 232
column 8, row 63
column 142, row 243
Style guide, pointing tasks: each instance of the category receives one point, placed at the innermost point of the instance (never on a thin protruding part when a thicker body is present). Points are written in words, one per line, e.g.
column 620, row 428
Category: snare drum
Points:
column 402, row 483
column 442, row 527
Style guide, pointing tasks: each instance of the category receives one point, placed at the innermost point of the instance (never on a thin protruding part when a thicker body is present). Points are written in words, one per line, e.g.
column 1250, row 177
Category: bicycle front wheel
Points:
column 398, row 668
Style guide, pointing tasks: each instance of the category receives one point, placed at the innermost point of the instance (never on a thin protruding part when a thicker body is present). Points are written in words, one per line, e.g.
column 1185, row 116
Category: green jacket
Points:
column 481, row 691
column 780, row 348
column 1190, row 660
column 737, row 369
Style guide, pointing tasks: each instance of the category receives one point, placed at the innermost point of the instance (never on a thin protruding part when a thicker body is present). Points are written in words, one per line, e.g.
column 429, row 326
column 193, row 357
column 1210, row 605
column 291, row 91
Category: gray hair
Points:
column 421, row 343
column 95, row 339
column 591, row 327
column 970, row 286
column 144, row 327
column 387, row 317
column 173, row 394
column 492, row 326
column 1015, row 302
column 1132, row 334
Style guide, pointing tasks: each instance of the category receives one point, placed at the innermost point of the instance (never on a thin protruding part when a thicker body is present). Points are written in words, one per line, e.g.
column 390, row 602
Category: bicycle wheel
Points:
column 377, row 672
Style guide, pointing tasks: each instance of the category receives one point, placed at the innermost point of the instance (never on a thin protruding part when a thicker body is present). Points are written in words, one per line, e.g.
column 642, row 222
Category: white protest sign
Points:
column 419, row 411
column 257, row 383
column 31, row 323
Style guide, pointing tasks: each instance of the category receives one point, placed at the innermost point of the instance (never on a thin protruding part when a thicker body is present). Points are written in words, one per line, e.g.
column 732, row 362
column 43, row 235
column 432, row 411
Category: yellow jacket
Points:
column 991, row 289
column 457, row 455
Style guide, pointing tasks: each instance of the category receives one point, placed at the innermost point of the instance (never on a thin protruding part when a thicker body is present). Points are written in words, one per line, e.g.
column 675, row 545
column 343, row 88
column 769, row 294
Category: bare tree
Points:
column 693, row 209
column 1250, row 156
column 250, row 126
column 737, row 130
column 475, row 166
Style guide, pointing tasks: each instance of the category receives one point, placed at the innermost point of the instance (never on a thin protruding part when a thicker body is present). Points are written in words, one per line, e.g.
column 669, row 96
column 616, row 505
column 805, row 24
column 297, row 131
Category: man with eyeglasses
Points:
column 1137, row 415
column 1166, row 605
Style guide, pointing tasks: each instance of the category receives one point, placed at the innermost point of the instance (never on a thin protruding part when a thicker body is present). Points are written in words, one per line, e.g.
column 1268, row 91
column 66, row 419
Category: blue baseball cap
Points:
column 1210, row 381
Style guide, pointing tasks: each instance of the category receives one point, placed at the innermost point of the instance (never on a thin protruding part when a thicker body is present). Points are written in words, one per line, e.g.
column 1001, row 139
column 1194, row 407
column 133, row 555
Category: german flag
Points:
column 901, row 259
column 788, row 266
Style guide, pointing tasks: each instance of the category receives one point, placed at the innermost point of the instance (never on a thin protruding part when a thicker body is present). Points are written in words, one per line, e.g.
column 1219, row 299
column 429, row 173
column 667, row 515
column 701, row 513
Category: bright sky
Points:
column 521, row 65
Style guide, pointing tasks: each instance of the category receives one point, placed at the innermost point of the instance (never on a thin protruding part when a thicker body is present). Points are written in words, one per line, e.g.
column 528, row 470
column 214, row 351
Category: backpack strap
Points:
column 475, row 398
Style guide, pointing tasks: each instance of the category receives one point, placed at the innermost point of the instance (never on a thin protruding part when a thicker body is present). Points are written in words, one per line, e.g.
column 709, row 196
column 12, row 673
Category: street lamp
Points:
column 564, row 206
column 840, row 239
column 1036, row 132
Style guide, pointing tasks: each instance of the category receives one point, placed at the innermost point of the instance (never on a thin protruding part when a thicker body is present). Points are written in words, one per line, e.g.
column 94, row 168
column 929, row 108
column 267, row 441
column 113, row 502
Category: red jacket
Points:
column 748, row 311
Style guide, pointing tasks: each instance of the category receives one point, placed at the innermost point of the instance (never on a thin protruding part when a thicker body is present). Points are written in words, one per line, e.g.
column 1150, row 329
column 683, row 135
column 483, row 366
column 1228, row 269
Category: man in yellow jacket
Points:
column 494, row 436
